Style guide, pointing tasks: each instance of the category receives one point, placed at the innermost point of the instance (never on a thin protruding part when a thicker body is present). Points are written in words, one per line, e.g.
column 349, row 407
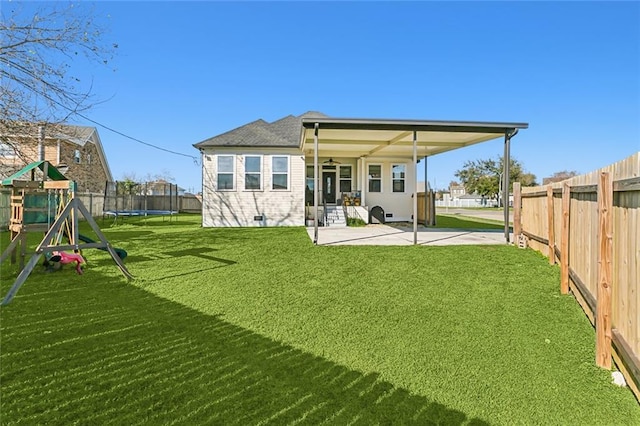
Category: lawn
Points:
column 466, row 222
column 258, row 326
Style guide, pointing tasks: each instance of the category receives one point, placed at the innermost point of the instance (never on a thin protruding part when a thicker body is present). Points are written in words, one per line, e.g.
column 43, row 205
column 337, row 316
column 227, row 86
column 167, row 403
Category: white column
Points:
column 415, row 188
column 315, row 183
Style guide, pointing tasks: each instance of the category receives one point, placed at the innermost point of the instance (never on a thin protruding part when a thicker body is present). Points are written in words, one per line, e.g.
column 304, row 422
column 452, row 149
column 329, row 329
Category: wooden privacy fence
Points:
column 427, row 208
column 589, row 224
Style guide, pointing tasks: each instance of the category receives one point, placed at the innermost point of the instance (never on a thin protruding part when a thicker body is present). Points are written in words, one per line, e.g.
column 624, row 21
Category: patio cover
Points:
column 370, row 138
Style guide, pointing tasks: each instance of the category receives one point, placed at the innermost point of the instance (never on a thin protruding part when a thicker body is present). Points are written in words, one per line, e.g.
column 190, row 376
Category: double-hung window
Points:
column 345, row 178
column 398, row 173
column 280, row 173
column 226, row 172
column 375, row 178
column 252, row 172
column 76, row 156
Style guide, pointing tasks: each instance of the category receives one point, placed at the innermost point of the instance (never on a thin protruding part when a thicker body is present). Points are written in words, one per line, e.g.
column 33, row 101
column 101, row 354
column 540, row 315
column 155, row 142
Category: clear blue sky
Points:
column 189, row 71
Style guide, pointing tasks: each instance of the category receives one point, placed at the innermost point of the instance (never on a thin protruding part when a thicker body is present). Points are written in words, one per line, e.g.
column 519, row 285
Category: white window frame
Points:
column 288, row 188
column 404, row 179
column 259, row 157
column 232, row 173
column 350, row 178
column 369, row 179
column 77, row 156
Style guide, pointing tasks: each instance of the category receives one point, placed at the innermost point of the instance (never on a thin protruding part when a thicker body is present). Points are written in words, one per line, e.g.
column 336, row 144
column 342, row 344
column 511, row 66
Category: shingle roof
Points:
column 284, row 132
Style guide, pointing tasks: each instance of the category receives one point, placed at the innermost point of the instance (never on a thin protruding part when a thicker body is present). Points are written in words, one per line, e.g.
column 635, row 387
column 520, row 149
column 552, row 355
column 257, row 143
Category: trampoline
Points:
column 140, row 212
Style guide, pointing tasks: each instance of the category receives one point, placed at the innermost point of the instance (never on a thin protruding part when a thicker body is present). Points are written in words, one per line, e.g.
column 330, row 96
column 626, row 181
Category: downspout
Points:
column 505, row 179
column 41, row 142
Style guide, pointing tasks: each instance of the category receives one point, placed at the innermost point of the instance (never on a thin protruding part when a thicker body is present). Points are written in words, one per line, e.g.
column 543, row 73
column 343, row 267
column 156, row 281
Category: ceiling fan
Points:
column 330, row 162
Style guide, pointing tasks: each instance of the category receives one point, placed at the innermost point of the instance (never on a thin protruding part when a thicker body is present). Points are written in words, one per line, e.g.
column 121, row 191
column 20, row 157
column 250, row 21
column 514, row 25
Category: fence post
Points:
column 564, row 239
column 517, row 211
column 605, row 248
column 552, row 242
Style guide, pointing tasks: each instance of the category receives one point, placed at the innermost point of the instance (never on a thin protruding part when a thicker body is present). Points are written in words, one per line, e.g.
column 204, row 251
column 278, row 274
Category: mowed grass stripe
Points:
column 91, row 370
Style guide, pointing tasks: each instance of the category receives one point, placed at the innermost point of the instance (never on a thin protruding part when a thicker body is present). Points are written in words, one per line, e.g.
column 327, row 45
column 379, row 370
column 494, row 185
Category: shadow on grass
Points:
column 114, row 353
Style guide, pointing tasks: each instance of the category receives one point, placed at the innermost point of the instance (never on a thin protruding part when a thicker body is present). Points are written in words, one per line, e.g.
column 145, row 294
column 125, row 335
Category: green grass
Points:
column 257, row 326
column 466, row 222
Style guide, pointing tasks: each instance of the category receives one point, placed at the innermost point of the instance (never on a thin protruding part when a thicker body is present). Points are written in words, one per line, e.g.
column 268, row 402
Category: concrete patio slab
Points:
column 385, row 235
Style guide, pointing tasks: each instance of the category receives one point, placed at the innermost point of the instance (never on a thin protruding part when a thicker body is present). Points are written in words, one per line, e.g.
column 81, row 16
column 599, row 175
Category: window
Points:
column 252, row 172
column 398, row 172
column 280, row 173
column 375, row 178
column 345, row 178
column 7, row 151
column 308, row 197
column 88, row 158
column 76, row 156
column 225, row 172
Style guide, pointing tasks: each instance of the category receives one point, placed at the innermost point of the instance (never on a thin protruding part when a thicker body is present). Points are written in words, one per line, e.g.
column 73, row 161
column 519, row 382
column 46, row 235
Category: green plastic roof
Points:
column 52, row 172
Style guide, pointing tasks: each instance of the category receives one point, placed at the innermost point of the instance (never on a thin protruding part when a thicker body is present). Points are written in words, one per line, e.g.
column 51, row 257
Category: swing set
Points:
column 49, row 205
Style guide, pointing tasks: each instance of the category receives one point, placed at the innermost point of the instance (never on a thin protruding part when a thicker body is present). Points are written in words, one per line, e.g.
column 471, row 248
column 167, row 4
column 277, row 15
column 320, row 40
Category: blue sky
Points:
column 189, row 71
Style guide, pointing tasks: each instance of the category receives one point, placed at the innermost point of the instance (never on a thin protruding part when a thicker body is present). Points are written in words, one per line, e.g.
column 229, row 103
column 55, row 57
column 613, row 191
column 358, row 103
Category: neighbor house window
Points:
column 225, row 172
column 398, row 173
column 7, row 151
column 345, row 178
column 252, row 172
column 280, row 173
column 375, row 178
column 76, row 156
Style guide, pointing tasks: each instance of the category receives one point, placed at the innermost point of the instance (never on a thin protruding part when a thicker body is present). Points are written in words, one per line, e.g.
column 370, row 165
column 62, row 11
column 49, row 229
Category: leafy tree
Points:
column 483, row 176
column 39, row 56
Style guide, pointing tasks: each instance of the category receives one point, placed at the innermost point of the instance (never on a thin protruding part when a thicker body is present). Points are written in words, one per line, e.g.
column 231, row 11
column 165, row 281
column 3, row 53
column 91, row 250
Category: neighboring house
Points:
column 75, row 150
column 162, row 187
column 456, row 190
column 263, row 174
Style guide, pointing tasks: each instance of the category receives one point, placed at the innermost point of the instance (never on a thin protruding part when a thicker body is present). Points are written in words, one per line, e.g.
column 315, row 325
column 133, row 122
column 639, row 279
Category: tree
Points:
column 559, row 176
column 39, row 56
column 483, row 176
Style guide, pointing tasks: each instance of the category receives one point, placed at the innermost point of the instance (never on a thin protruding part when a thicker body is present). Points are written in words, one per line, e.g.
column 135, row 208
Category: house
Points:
column 456, row 190
column 75, row 150
column 283, row 172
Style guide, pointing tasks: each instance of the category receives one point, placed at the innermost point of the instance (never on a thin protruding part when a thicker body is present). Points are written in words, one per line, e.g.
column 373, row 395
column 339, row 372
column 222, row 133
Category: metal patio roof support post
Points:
column 415, row 188
column 315, row 183
column 505, row 179
column 427, row 218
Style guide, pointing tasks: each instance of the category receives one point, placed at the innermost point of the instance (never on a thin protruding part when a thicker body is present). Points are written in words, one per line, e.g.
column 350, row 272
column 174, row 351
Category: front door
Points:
column 329, row 187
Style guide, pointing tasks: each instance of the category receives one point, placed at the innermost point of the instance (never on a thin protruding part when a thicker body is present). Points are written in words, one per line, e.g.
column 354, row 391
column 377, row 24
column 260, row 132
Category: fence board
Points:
column 583, row 246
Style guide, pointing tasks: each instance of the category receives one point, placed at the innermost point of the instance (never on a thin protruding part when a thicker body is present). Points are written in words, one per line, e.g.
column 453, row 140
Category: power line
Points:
column 195, row 159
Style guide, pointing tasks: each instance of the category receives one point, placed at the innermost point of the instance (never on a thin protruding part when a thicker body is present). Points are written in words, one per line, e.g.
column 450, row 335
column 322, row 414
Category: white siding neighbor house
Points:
column 315, row 169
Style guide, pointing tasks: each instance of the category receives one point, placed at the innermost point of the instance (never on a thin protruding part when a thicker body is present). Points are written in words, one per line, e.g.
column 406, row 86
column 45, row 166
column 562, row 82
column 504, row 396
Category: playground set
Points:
column 48, row 204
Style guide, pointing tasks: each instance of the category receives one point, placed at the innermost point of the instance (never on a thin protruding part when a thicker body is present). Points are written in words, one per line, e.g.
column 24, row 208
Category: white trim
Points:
column 233, row 173
column 288, row 188
column 261, row 172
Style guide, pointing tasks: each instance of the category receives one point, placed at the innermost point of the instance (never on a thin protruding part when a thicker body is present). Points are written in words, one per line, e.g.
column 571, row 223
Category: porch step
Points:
column 335, row 216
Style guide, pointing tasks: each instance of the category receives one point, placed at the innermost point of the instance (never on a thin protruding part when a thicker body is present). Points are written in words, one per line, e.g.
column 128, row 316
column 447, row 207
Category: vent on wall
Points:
column 258, row 218
column 388, row 215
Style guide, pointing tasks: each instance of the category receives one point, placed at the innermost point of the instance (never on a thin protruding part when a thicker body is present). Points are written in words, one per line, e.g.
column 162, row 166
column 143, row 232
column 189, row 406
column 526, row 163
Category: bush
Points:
column 355, row 221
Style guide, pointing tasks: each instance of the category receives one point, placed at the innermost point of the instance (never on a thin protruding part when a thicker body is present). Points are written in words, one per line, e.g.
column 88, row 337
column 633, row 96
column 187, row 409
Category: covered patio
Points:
column 369, row 140
column 393, row 235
